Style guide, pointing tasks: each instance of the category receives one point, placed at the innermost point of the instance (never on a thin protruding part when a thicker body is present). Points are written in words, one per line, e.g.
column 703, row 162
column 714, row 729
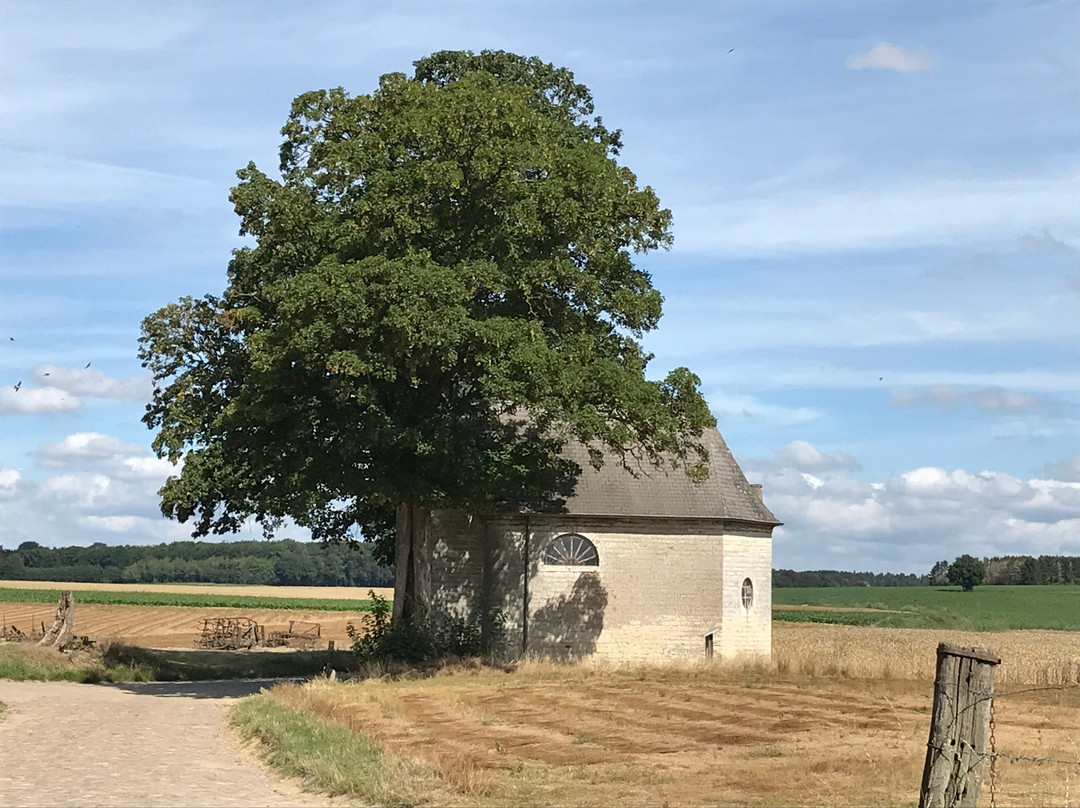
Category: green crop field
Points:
column 988, row 608
column 208, row 600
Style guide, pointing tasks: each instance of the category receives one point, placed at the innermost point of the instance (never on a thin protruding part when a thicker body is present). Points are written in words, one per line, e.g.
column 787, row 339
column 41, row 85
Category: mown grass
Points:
column 326, row 756
column 208, row 600
column 988, row 608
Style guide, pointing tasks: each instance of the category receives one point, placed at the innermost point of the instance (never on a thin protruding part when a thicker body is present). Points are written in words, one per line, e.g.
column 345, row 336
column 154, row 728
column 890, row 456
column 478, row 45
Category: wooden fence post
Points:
column 963, row 689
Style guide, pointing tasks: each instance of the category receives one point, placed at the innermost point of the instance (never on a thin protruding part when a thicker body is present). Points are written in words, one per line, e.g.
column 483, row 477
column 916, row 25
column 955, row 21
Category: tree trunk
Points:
column 59, row 634
column 412, row 568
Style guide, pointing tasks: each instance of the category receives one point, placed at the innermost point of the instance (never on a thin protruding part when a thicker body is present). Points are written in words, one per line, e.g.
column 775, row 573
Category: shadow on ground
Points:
column 219, row 689
column 196, row 665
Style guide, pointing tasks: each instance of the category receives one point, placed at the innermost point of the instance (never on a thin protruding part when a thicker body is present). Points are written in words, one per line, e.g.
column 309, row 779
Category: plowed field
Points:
column 169, row 626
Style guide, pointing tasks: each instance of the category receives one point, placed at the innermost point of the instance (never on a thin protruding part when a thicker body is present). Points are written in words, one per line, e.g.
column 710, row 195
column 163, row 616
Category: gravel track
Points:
column 140, row 744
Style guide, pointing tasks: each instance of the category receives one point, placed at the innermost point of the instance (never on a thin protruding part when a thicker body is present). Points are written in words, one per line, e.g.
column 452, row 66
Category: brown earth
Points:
column 153, row 744
column 546, row 735
column 170, row 626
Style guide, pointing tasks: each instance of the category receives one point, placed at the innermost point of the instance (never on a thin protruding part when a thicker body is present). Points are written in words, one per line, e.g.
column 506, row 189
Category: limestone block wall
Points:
column 659, row 587
column 746, row 631
column 450, row 550
column 504, row 576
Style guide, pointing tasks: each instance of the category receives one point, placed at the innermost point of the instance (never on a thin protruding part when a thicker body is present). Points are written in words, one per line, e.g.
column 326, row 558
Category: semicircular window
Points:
column 571, row 550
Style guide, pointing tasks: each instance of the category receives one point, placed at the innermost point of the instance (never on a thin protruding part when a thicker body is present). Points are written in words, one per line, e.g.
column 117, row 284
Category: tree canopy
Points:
column 966, row 572
column 438, row 291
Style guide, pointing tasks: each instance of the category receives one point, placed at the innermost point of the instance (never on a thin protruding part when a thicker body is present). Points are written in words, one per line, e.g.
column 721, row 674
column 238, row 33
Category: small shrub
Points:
column 420, row 639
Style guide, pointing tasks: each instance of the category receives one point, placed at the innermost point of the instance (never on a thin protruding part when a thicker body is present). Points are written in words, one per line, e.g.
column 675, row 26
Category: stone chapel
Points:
column 636, row 566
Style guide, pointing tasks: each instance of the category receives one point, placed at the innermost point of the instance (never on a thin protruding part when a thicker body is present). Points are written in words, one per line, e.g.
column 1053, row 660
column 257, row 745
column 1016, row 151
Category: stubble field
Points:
column 693, row 735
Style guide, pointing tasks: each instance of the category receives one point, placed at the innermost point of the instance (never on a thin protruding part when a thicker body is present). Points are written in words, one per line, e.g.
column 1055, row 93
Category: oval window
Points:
column 571, row 550
column 747, row 593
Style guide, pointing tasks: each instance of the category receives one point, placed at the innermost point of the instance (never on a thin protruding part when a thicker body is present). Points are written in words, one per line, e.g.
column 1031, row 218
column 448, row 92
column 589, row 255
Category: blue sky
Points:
column 876, row 268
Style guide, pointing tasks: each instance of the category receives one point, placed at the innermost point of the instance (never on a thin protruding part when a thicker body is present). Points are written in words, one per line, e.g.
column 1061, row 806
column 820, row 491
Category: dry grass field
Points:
column 170, row 626
column 328, row 592
column 1028, row 657
column 691, row 735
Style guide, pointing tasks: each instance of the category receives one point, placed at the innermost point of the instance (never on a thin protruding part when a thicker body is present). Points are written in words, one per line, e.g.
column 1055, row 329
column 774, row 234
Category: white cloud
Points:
column 36, row 399
column 1067, row 469
column 886, row 56
column 1043, row 244
column 949, row 397
column 82, row 451
column 112, row 524
column 9, row 479
column 729, row 406
column 84, row 448
column 903, row 211
column 94, row 383
column 804, row 456
column 31, row 179
column 906, row 522
column 106, row 490
column 157, row 468
column 995, row 398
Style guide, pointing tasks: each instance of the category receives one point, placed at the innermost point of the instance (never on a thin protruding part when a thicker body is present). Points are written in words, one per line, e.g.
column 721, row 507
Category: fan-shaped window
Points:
column 571, row 550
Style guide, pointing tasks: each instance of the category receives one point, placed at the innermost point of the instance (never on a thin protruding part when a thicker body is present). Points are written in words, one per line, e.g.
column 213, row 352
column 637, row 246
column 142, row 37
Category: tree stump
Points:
column 963, row 691
column 59, row 634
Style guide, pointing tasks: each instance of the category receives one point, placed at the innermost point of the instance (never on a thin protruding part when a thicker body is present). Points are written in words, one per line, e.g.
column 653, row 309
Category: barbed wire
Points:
column 1039, row 689
column 1030, row 759
column 981, row 756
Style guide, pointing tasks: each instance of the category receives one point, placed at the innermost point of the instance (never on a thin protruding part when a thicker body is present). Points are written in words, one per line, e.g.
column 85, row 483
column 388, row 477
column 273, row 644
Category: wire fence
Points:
column 994, row 755
column 962, row 752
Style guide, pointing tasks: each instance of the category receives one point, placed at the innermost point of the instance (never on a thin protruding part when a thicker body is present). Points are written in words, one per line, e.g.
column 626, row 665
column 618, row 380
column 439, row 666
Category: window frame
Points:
column 546, row 557
column 746, row 594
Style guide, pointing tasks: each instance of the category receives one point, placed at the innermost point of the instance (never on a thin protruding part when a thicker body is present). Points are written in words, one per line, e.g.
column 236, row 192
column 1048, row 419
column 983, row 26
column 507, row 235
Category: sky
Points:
column 876, row 266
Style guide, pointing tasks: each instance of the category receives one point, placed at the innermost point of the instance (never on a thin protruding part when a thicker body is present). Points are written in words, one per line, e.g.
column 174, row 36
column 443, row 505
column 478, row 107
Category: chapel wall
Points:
column 746, row 631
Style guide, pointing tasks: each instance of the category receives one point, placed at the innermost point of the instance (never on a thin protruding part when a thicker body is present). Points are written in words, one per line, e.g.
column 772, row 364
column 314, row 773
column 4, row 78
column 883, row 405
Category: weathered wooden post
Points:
column 60, row 632
column 963, row 690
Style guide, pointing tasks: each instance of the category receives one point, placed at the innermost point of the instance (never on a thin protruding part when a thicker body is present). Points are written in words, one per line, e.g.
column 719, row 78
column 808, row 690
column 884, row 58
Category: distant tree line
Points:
column 783, row 578
column 1045, row 569
column 1014, row 570
column 286, row 563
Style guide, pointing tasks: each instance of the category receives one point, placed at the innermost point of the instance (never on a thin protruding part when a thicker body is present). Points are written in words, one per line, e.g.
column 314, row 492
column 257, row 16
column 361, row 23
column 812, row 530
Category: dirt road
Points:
column 152, row 744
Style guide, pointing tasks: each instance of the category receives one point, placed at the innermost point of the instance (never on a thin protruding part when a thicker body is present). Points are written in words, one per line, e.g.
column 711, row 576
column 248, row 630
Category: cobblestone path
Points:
column 145, row 744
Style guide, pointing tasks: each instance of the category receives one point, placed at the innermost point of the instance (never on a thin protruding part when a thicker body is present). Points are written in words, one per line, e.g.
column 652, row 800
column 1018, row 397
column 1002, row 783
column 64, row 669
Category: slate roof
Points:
column 667, row 492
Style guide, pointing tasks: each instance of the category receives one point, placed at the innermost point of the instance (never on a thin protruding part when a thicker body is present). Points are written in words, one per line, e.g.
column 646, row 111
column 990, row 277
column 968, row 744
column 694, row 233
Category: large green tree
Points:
column 438, row 260
column 967, row 572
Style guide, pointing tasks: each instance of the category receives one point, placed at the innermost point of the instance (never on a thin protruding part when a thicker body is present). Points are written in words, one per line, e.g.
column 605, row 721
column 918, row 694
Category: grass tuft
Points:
column 26, row 662
column 327, row 757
